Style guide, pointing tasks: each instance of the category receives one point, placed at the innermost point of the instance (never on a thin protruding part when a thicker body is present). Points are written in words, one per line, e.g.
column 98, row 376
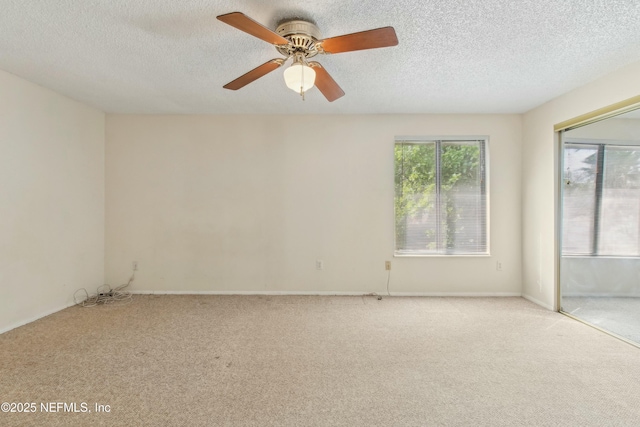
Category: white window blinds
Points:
column 440, row 197
column 601, row 200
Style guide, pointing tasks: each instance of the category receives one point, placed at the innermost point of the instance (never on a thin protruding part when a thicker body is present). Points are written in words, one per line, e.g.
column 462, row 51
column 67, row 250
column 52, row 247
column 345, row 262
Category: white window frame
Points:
column 487, row 187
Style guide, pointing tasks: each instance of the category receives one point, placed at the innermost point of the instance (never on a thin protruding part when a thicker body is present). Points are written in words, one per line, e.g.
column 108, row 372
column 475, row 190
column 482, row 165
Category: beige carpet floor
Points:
column 319, row 361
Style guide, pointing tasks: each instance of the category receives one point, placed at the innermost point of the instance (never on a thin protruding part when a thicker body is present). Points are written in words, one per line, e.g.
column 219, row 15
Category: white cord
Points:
column 388, row 279
column 104, row 295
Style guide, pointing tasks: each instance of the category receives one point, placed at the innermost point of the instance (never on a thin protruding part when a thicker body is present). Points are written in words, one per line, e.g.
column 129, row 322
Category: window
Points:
column 601, row 199
column 441, row 197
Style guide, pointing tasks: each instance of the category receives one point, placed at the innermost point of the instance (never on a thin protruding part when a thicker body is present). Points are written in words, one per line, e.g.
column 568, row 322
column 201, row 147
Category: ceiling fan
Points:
column 300, row 40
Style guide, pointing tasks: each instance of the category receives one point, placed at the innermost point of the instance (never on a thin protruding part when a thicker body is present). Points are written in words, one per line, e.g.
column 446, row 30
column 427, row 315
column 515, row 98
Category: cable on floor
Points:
column 375, row 294
column 104, row 295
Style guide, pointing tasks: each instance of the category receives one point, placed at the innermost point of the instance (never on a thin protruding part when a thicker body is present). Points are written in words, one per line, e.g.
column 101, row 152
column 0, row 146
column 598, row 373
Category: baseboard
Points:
column 354, row 293
column 34, row 318
column 538, row 302
column 162, row 292
column 456, row 294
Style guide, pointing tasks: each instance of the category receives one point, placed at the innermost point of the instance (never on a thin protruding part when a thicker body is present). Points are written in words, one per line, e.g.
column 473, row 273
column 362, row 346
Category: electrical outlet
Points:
column 387, row 265
column 134, row 264
column 319, row 264
column 499, row 265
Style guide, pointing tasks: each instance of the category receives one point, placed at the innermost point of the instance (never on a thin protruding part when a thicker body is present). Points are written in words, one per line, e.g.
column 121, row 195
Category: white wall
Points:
column 248, row 203
column 539, row 175
column 51, row 200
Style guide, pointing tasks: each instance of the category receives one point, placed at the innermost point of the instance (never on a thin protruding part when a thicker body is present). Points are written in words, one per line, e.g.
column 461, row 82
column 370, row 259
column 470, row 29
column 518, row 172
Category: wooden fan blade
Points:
column 254, row 74
column 249, row 26
column 325, row 83
column 371, row 39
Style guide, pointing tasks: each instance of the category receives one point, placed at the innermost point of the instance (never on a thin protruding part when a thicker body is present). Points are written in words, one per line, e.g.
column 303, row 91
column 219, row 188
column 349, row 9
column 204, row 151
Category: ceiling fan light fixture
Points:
column 300, row 40
column 299, row 77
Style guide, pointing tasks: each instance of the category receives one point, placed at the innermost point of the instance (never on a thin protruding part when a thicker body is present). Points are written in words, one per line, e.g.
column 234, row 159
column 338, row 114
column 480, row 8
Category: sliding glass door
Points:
column 600, row 224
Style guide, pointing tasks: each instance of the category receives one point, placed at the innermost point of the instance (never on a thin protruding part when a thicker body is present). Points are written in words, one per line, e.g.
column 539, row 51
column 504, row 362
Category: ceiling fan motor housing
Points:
column 302, row 36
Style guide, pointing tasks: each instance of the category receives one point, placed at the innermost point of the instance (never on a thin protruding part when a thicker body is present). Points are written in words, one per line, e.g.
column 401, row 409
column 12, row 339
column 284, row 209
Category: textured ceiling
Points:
column 171, row 56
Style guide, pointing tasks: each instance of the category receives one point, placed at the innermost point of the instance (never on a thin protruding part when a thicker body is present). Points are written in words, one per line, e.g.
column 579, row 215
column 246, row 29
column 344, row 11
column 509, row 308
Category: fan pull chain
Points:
column 302, row 82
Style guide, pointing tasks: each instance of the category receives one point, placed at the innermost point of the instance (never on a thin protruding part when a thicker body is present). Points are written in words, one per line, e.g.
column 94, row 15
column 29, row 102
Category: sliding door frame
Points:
column 585, row 119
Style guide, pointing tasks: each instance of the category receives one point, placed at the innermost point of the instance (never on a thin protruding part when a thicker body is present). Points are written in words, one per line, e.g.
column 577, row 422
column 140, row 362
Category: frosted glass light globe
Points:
column 298, row 75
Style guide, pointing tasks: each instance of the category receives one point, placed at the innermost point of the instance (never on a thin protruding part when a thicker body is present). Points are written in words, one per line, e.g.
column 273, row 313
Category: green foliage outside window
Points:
column 417, row 168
